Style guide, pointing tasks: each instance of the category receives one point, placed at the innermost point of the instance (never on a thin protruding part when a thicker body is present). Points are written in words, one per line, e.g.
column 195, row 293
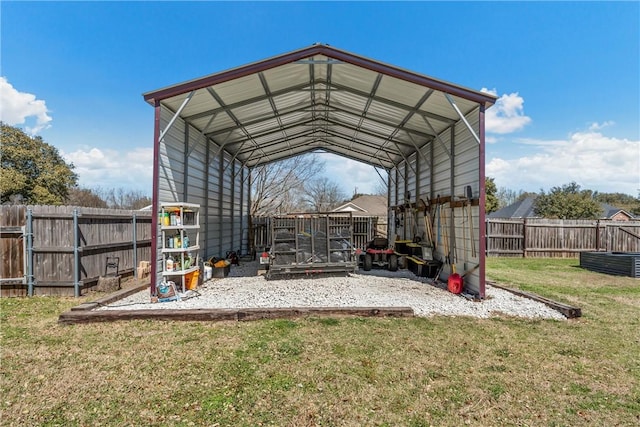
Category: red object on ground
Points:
column 454, row 283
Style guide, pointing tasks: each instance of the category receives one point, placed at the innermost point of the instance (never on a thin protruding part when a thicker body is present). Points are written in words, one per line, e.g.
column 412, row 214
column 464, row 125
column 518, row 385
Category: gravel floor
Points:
column 377, row 288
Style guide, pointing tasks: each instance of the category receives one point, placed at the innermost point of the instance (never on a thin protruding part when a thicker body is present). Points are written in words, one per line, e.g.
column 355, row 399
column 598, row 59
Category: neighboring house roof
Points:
column 367, row 204
column 520, row 209
column 525, row 209
column 611, row 211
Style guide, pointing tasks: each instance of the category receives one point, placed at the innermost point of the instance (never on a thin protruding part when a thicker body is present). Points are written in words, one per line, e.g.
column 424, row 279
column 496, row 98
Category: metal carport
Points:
column 426, row 134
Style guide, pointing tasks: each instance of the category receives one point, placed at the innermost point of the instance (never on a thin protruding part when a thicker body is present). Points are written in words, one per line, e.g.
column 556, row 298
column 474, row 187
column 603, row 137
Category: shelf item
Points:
column 180, row 234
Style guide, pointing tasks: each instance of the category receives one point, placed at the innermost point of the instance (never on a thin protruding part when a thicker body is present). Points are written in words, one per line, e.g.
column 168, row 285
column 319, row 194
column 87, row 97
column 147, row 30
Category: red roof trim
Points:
column 256, row 67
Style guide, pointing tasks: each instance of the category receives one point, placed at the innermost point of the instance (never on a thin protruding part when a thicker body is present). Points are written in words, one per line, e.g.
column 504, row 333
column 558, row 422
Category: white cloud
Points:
column 350, row 174
column 507, row 115
column 599, row 126
column 591, row 159
column 490, row 139
column 113, row 169
column 17, row 107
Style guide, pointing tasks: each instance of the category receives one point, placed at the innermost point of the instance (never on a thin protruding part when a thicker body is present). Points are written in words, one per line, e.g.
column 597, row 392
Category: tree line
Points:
column 567, row 201
column 34, row 172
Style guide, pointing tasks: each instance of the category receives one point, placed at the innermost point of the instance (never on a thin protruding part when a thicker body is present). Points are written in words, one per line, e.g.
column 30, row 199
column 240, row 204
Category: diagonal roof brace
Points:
column 444, row 146
column 462, row 117
column 233, row 117
column 175, row 116
column 202, row 132
column 419, row 151
column 276, row 113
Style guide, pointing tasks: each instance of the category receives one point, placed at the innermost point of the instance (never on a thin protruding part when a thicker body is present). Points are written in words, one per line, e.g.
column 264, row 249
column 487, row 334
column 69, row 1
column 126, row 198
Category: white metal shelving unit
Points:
column 180, row 221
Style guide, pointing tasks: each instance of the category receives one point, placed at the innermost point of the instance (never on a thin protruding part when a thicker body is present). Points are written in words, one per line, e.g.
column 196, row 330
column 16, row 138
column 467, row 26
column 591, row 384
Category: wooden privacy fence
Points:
column 63, row 250
column 559, row 238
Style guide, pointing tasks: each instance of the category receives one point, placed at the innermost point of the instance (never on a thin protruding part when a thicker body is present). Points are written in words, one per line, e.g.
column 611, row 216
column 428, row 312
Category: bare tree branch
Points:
column 277, row 187
column 323, row 195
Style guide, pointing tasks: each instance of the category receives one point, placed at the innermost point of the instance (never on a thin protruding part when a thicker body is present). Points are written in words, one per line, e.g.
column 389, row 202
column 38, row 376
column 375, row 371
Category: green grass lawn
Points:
column 335, row 371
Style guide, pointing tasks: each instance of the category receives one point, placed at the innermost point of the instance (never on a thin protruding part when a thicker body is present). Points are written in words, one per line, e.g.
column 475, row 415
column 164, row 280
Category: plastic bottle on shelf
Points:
column 176, row 241
column 170, row 265
column 178, row 220
column 185, row 242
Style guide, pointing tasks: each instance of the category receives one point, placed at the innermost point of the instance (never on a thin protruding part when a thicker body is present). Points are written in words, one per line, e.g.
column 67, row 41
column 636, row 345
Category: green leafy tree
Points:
column 491, row 201
column 620, row 200
column 567, row 202
column 32, row 170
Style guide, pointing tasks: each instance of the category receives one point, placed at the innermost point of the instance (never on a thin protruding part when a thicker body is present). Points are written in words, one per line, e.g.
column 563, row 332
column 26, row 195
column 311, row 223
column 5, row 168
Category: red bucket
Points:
column 455, row 283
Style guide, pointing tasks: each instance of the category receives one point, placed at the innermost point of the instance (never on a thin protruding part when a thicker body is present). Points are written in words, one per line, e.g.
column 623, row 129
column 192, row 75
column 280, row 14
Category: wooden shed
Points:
column 426, row 135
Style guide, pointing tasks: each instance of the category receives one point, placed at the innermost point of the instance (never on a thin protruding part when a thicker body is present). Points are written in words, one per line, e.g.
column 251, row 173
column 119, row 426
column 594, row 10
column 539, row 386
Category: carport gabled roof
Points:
column 319, row 99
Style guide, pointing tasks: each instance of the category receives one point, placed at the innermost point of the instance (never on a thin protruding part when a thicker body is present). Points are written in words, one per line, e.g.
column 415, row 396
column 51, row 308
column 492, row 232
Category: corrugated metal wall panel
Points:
column 171, row 170
column 442, row 165
column 214, row 197
column 425, row 172
column 466, row 172
column 411, row 177
column 226, row 238
column 171, row 162
column 195, row 186
column 467, row 168
column 238, row 210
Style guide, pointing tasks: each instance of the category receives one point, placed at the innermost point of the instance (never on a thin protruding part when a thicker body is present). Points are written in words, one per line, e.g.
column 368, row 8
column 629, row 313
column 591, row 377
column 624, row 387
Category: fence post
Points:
column 524, row 238
column 76, row 256
column 135, row 247
column 30, row 252
column 598, row 235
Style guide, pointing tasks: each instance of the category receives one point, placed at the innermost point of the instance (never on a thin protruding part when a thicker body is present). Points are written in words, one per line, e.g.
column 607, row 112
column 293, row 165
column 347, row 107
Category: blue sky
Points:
column 567, row 75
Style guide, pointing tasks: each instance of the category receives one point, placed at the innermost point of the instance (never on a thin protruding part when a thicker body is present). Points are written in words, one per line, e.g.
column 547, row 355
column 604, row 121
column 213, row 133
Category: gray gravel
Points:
column 377, row 288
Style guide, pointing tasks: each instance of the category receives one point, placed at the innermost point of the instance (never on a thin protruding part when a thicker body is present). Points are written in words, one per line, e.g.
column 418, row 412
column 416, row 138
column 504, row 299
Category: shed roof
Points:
column 319, row 99
column 367, row 204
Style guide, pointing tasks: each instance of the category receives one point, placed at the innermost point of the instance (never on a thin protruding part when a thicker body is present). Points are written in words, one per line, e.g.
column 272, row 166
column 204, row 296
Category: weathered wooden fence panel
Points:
column 559, row 238
column 70, row 247
column 12, row 240
column 261, row 230
column 505, row 238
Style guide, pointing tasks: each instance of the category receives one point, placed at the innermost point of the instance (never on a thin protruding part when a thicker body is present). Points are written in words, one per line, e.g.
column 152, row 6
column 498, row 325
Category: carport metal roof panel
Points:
column 319, row 99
